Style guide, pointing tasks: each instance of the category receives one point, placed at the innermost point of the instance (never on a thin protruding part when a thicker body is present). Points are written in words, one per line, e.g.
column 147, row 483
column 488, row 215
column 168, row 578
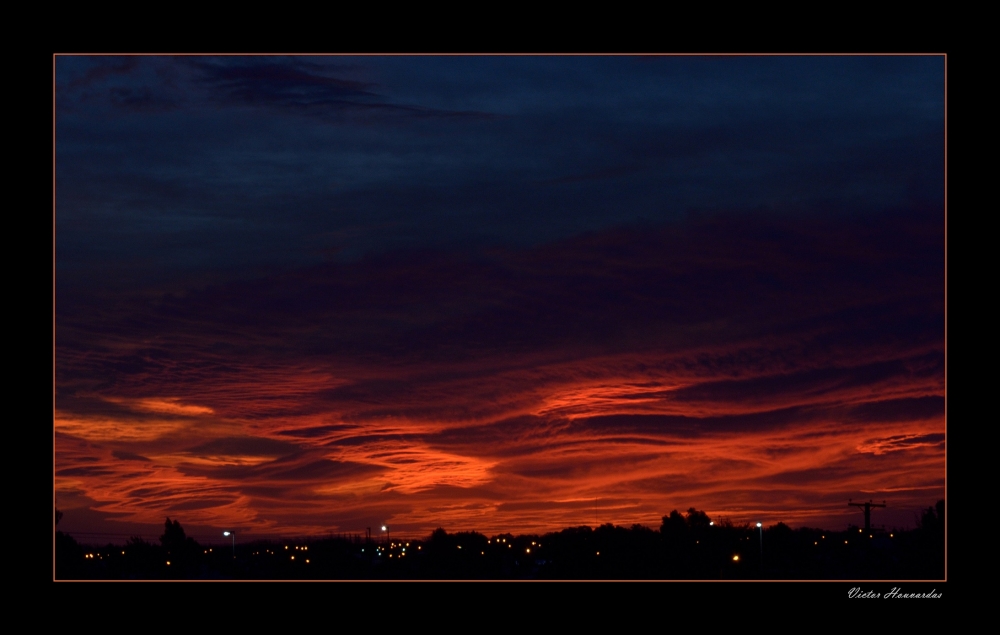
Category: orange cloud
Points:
column 168, row 405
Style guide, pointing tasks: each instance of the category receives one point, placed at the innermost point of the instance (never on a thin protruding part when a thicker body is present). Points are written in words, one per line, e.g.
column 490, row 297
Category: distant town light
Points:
column 736, row 558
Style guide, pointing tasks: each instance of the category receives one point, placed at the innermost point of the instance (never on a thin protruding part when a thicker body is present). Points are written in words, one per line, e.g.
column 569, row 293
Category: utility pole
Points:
column 760, row 528
column 868, row 511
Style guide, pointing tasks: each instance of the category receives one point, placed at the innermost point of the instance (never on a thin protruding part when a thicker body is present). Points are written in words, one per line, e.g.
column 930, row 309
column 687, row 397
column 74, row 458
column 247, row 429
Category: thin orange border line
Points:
column 946, row 505
column 542, row 54
column 53, row 317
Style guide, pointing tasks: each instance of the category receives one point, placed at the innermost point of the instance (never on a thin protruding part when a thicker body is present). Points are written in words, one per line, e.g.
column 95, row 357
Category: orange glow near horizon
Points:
column 285, row 474
column 611, row 377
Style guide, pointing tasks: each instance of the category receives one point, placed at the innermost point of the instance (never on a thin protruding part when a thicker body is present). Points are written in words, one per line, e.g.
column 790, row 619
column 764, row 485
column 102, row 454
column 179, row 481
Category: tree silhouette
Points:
column 69, row 555
column 183, row 552
column 697, row 520
column 932, row 520
column 173, row 537
column 439, row 537
column 674, row 528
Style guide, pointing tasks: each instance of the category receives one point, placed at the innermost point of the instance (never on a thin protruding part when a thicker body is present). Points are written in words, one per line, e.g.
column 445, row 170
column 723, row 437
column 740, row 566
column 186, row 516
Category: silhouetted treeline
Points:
column 688, row 546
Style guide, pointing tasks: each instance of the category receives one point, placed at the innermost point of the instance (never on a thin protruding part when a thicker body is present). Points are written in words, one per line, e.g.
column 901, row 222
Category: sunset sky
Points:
column 301, row 295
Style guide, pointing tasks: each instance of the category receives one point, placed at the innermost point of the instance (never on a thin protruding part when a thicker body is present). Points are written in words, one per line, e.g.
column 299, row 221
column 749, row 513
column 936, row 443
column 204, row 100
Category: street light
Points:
column 233, row 534
column 761, row 529
column 386, row 530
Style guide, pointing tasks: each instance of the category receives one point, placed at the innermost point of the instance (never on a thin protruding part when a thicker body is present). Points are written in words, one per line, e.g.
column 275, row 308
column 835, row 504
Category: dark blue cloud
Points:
column 122, row 455
column 171, row 168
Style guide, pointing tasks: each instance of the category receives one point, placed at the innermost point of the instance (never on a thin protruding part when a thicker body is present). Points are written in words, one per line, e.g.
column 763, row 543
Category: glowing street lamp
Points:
column 233, row 534
column 386, row 530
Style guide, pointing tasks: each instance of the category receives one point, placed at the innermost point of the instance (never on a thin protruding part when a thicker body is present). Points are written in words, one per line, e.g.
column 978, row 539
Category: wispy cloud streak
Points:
column 770, row 366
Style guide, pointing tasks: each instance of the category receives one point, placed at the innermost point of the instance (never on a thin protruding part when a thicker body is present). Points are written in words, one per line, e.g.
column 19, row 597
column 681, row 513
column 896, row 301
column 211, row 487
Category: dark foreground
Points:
column 686, row 547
